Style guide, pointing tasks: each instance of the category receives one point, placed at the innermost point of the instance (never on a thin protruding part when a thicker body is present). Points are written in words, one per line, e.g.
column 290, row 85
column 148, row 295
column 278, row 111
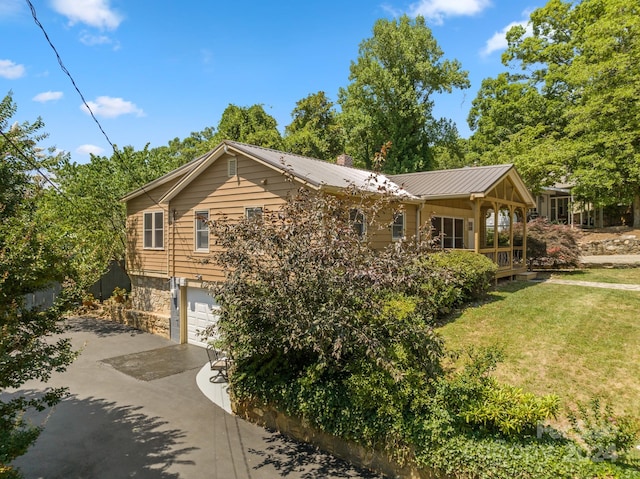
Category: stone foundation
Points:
column 378, row 461
column 626, row 244
column 150, row 322
column 151, row 294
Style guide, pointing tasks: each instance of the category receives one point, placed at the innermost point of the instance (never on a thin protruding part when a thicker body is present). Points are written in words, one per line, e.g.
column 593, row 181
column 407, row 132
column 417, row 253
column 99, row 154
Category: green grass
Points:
column 602, row 275
column 573, row 341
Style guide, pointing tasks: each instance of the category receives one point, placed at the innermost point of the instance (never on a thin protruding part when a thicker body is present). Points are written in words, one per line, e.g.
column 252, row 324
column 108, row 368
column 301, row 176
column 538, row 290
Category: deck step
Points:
column 528, row 276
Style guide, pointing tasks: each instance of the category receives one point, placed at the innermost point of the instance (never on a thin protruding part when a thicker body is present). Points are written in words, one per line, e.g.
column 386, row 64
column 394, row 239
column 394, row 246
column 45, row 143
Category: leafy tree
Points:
column 452, row 155
column 390, row 97
column 314, row 131
column 178, row 152
column 86, row 208
column 29, row 260
column 250, row 125
column 571, row 113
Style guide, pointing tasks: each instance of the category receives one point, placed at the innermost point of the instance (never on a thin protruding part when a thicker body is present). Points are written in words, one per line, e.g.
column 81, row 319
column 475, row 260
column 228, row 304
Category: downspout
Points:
column 418, row 222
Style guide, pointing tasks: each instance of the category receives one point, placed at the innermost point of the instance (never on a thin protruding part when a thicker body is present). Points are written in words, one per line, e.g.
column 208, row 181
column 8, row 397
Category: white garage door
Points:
column 201, row 313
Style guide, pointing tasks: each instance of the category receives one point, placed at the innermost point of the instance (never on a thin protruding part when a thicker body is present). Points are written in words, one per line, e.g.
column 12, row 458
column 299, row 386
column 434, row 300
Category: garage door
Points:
column 201, row 313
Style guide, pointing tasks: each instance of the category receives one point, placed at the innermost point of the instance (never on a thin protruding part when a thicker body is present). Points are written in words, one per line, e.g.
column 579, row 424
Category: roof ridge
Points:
column 301, row 156
column 468, row 168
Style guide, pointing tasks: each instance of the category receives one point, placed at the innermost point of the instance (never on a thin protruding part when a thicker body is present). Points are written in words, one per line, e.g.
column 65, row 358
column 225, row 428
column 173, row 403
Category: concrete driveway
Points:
column 155, row 423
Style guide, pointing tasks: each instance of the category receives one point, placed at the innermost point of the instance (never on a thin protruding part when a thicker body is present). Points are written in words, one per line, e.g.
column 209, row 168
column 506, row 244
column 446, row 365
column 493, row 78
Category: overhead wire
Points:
column 84, row 101
column 20, row 152
column 33, row 165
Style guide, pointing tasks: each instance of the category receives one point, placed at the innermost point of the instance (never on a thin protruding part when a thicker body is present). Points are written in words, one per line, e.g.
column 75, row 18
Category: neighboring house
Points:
column 169, row 242
column 557, row 204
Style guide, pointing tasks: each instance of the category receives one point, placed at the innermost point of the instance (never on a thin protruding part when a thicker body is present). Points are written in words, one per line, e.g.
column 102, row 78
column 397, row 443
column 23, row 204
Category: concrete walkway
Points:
column 135, row 410
column 593, row 284
column 612, row 259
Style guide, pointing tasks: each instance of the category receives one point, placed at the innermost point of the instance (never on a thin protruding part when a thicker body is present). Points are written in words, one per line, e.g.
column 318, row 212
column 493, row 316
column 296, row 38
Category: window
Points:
column 397, row 228
column 356, row 218
column 448, row 231
column 253, row 212
column 153, row 230
column 232, row 167
column 202, row 230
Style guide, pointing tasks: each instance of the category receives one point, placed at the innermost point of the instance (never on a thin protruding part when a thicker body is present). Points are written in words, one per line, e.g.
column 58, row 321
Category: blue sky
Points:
column 154, row 71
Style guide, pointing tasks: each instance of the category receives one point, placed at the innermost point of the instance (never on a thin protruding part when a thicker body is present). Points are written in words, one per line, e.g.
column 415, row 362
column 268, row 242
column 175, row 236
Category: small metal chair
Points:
column 219, row 362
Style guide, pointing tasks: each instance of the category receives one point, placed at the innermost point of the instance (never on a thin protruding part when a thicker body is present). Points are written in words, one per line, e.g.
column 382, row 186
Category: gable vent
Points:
column 232, row 167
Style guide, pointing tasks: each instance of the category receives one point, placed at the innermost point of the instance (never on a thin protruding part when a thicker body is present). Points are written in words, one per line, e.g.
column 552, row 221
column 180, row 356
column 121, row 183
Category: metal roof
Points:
column 319, row 173
column 449, row 183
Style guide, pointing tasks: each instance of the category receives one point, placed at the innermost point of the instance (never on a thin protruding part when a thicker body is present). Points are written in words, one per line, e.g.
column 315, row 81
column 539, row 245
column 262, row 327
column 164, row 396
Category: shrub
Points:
column 301, row 280
column 442, row 281
column 474, row 398
column 553, row 245
column 603, row 434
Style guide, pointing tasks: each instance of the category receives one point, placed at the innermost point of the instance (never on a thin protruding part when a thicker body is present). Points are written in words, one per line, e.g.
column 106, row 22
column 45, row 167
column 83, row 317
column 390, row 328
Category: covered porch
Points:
column 483, row 209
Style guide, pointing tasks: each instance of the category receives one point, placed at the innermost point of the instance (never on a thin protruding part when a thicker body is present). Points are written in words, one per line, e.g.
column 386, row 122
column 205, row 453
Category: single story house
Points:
column 168, row 241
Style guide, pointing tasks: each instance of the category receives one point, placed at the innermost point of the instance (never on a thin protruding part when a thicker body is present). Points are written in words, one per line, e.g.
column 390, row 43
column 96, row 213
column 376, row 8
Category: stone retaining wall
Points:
column 626, row 244
column 150, row 322
column 378, row 461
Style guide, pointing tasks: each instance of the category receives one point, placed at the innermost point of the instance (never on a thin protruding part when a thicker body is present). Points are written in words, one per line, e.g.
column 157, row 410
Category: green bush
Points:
column 603, row 434
column 442, row 281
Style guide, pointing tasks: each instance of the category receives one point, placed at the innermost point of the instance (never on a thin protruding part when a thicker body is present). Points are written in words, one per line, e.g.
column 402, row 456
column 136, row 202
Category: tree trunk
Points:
column 636, row 211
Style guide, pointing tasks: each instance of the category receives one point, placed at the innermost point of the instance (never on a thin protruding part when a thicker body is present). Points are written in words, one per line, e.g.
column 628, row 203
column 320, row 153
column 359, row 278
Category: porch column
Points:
column 511, row 210
column 496, row 216
column 476, row 220
column 524, row 241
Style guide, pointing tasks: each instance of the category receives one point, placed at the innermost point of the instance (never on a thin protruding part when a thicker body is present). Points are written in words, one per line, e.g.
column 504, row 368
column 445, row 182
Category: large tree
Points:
column 29, row 260
column 314, row 130
column 572, row 111
column 390, row 97
column 86, row 209
column 250, row 125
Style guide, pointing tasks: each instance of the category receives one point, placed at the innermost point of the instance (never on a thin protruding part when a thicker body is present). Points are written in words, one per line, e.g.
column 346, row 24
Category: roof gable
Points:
column 461, row 182
column 310, row 171
column 172, row 175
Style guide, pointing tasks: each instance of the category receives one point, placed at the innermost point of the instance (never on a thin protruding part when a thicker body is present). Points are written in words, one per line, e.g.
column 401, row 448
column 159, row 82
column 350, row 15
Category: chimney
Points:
column 344, row 160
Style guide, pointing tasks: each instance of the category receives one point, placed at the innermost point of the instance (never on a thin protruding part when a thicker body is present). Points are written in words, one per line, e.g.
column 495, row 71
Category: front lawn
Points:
column 574, row 341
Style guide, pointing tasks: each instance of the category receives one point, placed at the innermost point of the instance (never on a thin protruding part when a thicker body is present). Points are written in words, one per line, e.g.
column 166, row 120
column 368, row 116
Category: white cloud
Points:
column 48, row 96
column 109, row 107
column 95, row 13
column 91, row 40
column 89, row 150
column 10, row 70
column 499, row 39
column 437, row 10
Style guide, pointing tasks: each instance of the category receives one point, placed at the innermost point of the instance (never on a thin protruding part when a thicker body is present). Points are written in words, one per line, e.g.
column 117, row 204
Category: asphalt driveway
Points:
column 133, row 413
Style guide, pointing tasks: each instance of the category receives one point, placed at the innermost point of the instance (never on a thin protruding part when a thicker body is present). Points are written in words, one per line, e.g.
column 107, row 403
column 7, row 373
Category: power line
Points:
column 33, row 165
column 84, row 101
column 23, row 155
column 64, row 69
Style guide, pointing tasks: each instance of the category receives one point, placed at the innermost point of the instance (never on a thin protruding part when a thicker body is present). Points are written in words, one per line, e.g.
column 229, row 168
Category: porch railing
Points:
column 506, row 258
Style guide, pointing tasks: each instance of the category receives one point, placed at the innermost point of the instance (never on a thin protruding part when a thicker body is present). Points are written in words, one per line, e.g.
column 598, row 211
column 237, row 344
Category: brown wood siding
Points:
column 140, row 260
column 380, row 237
column 255, row 185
